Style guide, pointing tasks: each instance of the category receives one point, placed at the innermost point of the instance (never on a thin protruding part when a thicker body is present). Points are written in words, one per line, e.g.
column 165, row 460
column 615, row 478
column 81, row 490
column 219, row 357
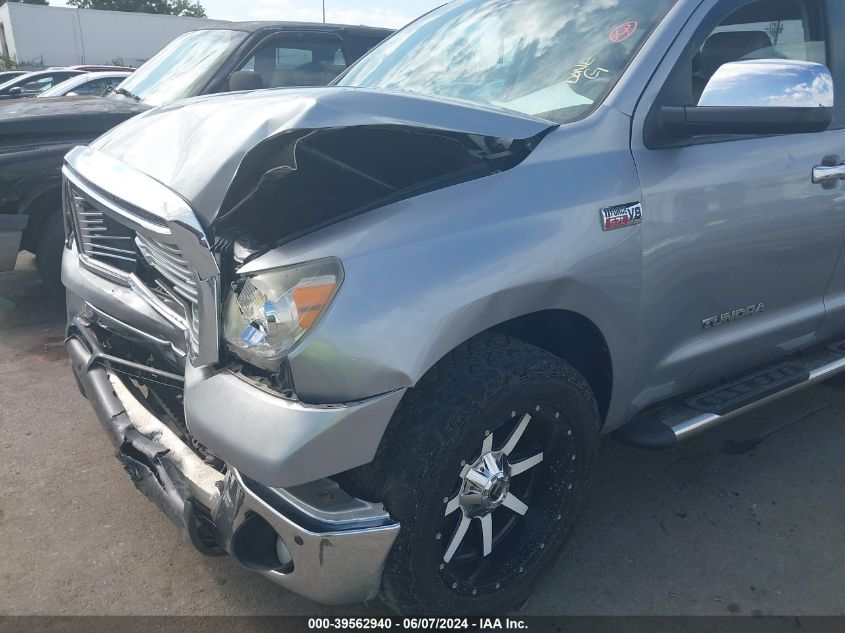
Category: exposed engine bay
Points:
column 302, row 180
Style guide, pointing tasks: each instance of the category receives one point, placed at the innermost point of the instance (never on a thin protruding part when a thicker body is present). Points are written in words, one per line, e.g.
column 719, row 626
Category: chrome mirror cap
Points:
column 769, row 83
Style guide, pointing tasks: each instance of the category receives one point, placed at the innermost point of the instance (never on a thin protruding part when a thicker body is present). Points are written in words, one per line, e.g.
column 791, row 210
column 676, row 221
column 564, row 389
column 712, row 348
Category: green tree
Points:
column 168, row 7
column 42, row 2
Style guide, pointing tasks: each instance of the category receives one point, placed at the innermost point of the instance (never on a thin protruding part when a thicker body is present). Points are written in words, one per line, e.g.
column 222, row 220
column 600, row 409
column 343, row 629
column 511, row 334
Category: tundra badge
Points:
column 620, row 216
column 733, row 315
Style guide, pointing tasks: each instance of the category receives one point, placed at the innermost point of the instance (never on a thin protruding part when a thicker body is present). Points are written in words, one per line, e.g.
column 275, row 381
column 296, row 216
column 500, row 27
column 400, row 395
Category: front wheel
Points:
column 486, row 465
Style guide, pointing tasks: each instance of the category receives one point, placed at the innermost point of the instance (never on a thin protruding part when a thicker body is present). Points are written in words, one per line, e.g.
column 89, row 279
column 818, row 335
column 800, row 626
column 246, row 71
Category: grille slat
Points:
column 111, row 249
column 100, row 255
column 168, row 260
column 100, row 235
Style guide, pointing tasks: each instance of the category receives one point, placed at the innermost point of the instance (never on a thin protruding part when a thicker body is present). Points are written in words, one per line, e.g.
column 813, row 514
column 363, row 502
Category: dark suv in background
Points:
column 35, row 135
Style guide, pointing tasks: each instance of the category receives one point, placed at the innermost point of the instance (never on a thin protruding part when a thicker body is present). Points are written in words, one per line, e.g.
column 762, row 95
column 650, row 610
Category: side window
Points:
column 287, row 58
column 766, row 29
column 40, row 85
column 95, row 87
column 357, row 46
column 297, row 62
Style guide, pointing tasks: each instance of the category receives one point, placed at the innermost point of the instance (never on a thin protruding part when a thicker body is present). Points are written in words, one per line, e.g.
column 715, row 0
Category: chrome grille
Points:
column 168, row 261
column 163, row 256
column 101, row 236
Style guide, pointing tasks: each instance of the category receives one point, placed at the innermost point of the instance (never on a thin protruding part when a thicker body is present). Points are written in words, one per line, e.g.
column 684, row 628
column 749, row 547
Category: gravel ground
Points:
column 747, row 519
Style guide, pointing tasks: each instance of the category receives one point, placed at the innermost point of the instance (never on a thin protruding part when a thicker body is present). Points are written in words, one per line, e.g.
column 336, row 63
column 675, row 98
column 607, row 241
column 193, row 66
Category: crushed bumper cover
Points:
column 333, row 553
column 276, row 441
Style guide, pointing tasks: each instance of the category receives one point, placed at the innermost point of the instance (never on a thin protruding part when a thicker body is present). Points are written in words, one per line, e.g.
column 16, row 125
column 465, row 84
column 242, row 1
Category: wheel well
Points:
column 568, row 335
column 39, row 210
column 573, row 338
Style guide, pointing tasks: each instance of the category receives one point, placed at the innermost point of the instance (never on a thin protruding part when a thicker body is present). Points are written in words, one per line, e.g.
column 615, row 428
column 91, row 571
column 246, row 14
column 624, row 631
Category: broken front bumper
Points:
column 279, row 442
column 313, row 539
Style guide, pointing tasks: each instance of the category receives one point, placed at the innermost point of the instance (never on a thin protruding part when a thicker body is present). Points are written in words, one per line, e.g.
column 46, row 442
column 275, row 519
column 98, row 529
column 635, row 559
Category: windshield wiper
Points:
column 126, row 93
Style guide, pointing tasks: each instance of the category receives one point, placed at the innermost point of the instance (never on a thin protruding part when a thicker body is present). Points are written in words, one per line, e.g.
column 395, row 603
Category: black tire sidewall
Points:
column 417, row 555
column 49, row 251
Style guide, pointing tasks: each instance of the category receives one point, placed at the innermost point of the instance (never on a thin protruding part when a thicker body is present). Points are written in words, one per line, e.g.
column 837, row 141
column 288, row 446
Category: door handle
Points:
column 829, row 172
column 826, row 173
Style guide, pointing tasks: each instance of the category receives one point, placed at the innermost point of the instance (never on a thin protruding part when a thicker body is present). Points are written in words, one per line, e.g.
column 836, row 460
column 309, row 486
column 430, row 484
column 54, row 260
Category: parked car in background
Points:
column 94, row 84
column 102, row 68
column 8, row 75
column 35, row 134
column 34, row 83
column 366, row 338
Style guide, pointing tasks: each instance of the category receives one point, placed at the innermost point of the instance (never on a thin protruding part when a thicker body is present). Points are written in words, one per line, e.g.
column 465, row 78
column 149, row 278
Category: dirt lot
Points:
column 747, row 519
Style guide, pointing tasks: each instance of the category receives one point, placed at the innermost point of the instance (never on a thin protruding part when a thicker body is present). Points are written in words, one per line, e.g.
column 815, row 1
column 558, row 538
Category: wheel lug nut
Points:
column 557, row 415
column 542, row 545
column 486, row 433
column 454, row 585
column 520, row 570
column 442, row 566
column 569, row 432
column 474, row 591
column 445, row 499
column 558, row 518
column 438, row 537
column 513, row 414
column 569, row 486
column 537, row 408
column 573, row 458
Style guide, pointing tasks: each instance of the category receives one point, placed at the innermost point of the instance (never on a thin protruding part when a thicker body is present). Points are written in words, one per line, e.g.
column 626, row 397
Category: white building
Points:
column 37, row 36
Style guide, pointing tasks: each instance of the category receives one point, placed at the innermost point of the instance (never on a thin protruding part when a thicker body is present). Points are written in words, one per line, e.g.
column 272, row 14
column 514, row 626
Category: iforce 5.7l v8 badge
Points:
column 620, row 216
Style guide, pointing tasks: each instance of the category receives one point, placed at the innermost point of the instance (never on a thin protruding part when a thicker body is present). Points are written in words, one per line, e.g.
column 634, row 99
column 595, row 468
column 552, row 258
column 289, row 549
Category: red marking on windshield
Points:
column 624, row 31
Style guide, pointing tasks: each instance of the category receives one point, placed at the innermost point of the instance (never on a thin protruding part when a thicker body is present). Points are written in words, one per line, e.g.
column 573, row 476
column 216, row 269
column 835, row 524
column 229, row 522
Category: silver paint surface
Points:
column 725, row 224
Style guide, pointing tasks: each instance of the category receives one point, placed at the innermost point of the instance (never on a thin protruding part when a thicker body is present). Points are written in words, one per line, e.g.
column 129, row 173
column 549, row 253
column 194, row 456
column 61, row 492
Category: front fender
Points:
column 426, row 274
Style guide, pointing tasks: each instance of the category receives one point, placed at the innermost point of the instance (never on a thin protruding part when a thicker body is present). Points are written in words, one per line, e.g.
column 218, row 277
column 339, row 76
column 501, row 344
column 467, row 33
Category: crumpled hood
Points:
column 64, row 116
column 196, row 147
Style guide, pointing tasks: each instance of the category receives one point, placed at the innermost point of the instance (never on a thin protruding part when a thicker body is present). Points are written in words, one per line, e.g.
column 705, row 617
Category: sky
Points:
column 389, row 13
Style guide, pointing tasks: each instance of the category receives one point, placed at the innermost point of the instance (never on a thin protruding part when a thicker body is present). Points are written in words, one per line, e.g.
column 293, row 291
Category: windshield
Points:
column 555, row 59
column 182, row 68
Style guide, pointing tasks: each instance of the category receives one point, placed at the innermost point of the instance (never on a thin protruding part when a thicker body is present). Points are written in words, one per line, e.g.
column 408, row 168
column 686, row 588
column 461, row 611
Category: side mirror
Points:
column 245, row 80
column 761, row 96
column 17, row 91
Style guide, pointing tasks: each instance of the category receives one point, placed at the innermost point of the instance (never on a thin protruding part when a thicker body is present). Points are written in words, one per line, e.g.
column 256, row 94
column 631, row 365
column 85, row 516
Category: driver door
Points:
column 739, row 244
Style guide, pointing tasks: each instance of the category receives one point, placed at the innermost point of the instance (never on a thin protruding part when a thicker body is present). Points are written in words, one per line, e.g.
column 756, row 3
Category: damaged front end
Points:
column 299, row 181
column 143, row 330
column 160, row 214
column 314, row 539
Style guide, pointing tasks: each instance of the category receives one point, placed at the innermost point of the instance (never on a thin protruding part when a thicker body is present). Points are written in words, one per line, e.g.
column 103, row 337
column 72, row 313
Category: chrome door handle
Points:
column 828, row 173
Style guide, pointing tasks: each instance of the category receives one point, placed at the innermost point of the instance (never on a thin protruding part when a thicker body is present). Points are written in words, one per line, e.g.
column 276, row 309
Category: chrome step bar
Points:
column 671, row 422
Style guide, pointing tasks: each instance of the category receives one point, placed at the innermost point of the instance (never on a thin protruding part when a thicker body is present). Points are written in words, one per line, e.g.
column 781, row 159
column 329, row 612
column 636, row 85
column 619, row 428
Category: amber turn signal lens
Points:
column 310, row 300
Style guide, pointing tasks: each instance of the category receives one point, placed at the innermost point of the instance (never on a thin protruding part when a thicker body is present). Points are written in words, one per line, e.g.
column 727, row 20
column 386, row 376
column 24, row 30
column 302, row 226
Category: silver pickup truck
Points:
column 365, row 338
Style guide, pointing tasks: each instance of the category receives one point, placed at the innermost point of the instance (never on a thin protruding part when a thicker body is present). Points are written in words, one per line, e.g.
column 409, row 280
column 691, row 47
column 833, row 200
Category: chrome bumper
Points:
column 337, row 544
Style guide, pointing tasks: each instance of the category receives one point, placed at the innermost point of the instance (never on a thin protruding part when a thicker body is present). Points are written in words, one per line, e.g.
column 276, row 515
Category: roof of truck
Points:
column 300, row 26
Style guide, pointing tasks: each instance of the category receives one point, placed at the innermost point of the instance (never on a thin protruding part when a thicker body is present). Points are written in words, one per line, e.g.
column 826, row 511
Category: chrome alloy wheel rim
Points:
column 485, row 486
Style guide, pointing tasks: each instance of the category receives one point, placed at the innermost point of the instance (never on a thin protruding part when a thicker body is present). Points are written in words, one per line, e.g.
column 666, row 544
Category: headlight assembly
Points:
column 268, row 313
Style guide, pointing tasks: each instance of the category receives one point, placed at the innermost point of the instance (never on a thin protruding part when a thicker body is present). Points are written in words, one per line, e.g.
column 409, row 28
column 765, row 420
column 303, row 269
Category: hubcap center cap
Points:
column 495, row 491
column 486, row 484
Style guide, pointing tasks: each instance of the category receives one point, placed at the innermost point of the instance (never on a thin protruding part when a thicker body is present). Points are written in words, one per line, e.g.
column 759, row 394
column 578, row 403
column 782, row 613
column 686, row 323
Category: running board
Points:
column 676, row 420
